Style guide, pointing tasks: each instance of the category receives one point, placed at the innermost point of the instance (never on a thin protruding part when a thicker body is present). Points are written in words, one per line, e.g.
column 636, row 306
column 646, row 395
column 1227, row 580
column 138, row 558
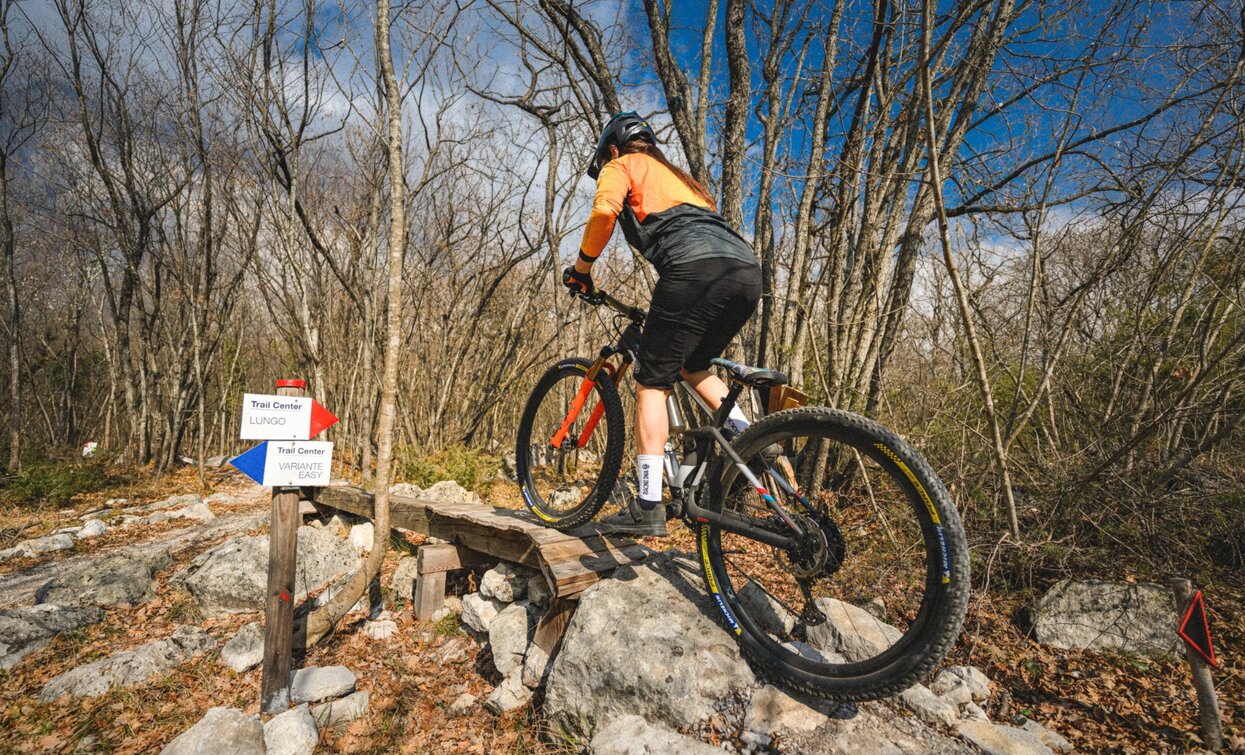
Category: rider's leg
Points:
column 711, row 388
column 652, row 430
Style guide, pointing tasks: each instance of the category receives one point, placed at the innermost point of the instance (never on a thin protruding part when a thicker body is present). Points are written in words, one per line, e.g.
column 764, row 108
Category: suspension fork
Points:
column 577, row 405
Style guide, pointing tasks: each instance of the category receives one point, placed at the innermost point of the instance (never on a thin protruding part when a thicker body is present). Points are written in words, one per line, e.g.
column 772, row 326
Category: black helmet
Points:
column 621, row 129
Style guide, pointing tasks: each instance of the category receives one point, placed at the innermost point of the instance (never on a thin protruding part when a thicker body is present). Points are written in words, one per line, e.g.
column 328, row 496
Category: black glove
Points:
column 577, row 282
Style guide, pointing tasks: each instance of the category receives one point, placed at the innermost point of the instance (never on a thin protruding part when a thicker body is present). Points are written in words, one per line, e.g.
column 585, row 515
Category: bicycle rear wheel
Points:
column 570, row 444
column 874, row 594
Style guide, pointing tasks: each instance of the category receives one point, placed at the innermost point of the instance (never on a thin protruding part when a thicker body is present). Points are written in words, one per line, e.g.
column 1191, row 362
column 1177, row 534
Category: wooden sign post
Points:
column 1207, row 701
column 279, row 609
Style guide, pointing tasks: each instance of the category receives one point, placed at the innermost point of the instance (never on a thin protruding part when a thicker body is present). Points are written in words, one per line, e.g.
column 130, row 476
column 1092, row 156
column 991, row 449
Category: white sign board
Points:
column 267, row 417
column 303, row 463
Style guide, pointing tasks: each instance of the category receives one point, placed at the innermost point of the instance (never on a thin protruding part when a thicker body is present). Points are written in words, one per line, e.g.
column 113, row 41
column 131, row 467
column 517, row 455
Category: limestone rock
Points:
column 462, row 704
column 311, row 685
column 26, row 629
column 538, row 593
column 772, row 711
column 768, row 612
column 995, row 739
column 406, row 489
column 872, row 729
column 448, row 491
column 403, row 580
column 508, row 695
column 38, row 546
column 852, row 631
column 478, row 611
column 505, row 583
column 363, row 536
column 632, row 735
column 92, row 528
column 381, row 629
column 646, row 642
column 535, row 666
column 976, row 685
column 1092, row 614
column 245, row 650
column 1049, row 738
column 131, row 666
column 223, row 731
column 291, row 733
column 233, row 576
column 508, row 635
column 928, row 706
column 123, row 579
column 340, row 711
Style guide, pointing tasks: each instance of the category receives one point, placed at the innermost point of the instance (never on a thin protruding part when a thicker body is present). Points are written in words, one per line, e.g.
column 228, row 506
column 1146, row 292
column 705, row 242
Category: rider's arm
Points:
column 612, row 186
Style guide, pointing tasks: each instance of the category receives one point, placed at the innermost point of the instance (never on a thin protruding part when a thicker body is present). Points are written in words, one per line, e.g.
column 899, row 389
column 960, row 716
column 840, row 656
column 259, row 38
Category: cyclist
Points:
column 709, row 284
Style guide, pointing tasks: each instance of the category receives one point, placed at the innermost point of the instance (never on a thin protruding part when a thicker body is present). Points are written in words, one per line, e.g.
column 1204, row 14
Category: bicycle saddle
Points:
column 752, row 375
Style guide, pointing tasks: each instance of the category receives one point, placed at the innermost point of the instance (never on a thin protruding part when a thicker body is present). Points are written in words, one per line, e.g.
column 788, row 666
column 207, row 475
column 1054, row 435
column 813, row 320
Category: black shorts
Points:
column 696, row 310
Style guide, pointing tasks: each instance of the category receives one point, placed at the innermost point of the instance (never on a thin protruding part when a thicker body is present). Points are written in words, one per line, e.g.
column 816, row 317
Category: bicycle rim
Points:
column 874, row 596
column 570, row 444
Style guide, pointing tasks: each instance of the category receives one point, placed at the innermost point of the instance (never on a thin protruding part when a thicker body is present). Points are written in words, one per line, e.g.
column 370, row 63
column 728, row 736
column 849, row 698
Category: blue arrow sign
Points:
column 280, row 463
column 251, row 463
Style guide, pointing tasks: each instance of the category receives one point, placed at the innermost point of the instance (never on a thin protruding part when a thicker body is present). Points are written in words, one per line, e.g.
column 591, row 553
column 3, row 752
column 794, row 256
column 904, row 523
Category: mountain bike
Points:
column 830, row 547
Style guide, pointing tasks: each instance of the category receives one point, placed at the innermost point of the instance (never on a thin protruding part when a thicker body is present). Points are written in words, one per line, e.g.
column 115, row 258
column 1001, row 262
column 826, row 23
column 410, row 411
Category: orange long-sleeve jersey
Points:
column 643, row 183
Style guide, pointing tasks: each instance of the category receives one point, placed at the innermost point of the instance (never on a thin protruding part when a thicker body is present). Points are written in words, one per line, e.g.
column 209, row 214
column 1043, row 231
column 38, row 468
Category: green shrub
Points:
column 469, row 467
column 54, row 483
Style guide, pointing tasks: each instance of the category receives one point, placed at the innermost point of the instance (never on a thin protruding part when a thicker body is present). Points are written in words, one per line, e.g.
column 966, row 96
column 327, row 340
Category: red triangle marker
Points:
column 1195, row 629
column 321, row 419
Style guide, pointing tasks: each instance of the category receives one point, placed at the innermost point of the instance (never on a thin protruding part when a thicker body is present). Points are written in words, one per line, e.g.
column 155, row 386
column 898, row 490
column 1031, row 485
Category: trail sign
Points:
column 267, row 417
column 288, row 463
column 1195, row 630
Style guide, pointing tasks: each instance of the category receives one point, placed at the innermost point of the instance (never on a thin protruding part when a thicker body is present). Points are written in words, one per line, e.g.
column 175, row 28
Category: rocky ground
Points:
column 133, row 625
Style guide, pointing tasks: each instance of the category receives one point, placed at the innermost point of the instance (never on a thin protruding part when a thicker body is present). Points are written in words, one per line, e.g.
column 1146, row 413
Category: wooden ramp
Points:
column 571, row 561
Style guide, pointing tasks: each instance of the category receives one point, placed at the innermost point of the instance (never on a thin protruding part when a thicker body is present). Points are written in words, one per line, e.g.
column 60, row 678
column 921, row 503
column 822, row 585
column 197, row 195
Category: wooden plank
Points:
column 447, row 557
column 553, row 623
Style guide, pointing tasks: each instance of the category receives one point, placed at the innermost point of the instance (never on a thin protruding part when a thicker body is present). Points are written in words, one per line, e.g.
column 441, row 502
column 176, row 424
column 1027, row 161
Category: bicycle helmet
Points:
column 620, row 129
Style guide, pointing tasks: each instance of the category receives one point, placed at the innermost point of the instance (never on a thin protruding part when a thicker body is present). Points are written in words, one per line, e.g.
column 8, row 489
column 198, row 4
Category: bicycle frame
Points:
column 707, row 437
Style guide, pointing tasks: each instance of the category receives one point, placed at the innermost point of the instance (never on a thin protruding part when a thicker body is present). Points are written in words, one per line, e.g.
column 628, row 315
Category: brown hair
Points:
column 653, row 151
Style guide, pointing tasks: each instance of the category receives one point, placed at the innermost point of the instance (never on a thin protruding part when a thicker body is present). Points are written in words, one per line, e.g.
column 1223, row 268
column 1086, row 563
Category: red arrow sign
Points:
column 1195, row 630
column 321, row 418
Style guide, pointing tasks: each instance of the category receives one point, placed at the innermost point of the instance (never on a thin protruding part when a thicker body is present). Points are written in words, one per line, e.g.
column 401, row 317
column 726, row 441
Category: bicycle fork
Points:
column 581, row 398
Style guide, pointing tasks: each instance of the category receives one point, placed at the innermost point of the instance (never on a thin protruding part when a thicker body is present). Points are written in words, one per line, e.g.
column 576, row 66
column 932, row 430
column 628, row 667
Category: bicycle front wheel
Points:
column 570, row 444
column 872, row 593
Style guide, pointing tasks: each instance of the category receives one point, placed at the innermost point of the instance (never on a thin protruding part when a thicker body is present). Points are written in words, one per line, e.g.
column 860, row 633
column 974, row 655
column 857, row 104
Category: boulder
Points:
column 851, row 631
column 131, row 666
column 380, row 629
column 1092, row 615
column 768, row 612
column 448, row 491
column 996, row 739
column 403, row 580
column 311, row 685
column 463, row 704
column 632, row 735
column 872, row 729
column 508, row 635
column 647, row 642
column 505, row 582
column 233, row 576
column 291, row 733
column 960, row 682
column 1049, row 738
column 49, row 544
column 478, row 611
column 245, row 650
column 24, row 630
column 363, row 536
column 406, row 489
column 120, row 580
column 538, row 593
column 223, row 731
column 929, row 707
column 535, row 666
column 340, row 711
column 92, row 528
column 773, row 711
column 509, row 695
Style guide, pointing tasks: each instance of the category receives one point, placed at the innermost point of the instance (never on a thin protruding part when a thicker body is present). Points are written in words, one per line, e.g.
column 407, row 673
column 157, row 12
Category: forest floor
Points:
column 1100, row 702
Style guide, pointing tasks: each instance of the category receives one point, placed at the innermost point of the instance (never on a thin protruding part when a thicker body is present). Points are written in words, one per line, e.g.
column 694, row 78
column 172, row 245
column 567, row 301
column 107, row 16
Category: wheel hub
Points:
column 819, row 553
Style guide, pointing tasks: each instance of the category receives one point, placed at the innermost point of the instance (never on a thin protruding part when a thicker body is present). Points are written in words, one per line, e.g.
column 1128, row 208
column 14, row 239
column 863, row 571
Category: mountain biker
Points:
column 709, row 284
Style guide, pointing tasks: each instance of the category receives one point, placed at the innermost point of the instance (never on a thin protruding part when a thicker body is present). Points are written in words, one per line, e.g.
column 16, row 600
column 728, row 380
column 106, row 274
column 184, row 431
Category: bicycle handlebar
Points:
column 599, row 297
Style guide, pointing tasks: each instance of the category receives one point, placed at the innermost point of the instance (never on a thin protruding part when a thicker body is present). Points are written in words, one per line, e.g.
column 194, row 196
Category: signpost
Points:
column 1198, row 651
column 286, row 461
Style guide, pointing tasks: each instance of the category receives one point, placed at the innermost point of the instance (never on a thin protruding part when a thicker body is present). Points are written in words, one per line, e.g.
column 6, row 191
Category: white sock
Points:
column 736, row 422
column 649, row 469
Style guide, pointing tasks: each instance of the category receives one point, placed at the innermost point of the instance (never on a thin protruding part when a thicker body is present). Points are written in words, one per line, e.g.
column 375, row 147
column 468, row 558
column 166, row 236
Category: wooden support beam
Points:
column 433, row 562
column 553, row 623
